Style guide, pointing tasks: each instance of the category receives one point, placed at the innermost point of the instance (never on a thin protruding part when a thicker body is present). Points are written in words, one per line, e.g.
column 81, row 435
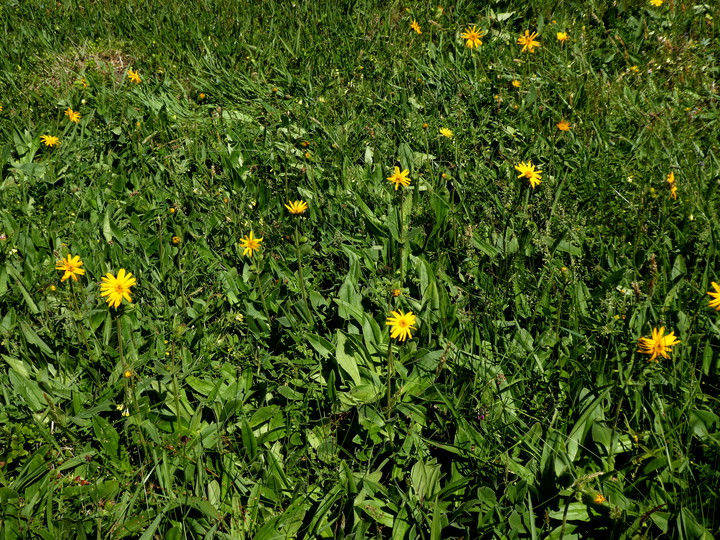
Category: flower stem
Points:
column 390, row 372
column 262, row 293
column 301, row 277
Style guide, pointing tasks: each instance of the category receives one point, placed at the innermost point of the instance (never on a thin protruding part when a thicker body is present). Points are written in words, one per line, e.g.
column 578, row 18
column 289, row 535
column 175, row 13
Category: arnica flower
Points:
column 516, row 83
column 528, row 171
column 400, row 325
column 715, row 302
column 673, row 186
column 472, row 36
column 201, row 96
column 400, row 178
column 528, row 41
column 656, row 3
column 446, row 132
column 599, row 499
column 1, row 108
column 250, row 243
column 658, row 345
column 563, row 125
column 562, row 37
column 114, row 289
column 396, row 292
column 415, row 26
column 71, row 267
column 128, row 373
column 50, row 140
column 176, row 240
column 74, row 116
column 296, row 207
column 134, row 76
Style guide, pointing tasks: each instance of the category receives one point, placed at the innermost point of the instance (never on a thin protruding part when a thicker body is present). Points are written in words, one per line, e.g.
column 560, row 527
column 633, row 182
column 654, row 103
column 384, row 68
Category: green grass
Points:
column 266, row 398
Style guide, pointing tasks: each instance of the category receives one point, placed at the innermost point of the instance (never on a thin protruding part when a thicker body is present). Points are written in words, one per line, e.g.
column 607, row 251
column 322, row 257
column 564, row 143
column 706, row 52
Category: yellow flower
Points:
column 250, row 243
column 528, row 171
column 1, row 108
column 656, row 3
column 134, row 76
column 562, row 37
column 528, row 41
column 74, row 116
column 176, row 240
column 296, row 207
column 599, row 499
column 117, row 288
column 715, row 302
column 635, row 69
column 201, row 96
column 658, row 344
column 563, row 125
column 71, row 267
column 673, row 186
column 171, row 210
column 399, row 178
column 128, row 373
column 396, row 292
column 516, row 83
column 425, row 125
column 50, row 140
column 472, row 36
column 415, row 26
column 401, row 324
column 446, row 132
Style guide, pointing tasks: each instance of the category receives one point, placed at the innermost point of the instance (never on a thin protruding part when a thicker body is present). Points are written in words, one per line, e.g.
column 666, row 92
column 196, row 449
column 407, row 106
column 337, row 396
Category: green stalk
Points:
column 261, row 292
column 390, row 371
column 301, row 277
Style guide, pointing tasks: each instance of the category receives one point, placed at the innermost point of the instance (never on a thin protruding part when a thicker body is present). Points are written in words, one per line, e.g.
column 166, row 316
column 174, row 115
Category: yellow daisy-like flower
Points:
column 528, row 171
column 128, row 373
column 562, row 37
column 658, row 344
column 446, row 132
column 250, row 243
column 71, row 267
column 715, row 302
column 1, row 108
column 114, row 289
column 74, row 116
column 50, row 140
column 401, row 324
column 516, row 83
column 528, row 41
column 201, row 96
column 673, row 186
column 472, row 36
column 599, row 499
column 296, row 207
column 399, row 178
column 563, row 125
column 176, row 240
column 415, row 26
column 396, row 292
column 656, row 3
column 134, row 76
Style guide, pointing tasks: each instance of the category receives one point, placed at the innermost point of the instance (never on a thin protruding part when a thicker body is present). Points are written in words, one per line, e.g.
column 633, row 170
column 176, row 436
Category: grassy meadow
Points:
column 489, row 319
